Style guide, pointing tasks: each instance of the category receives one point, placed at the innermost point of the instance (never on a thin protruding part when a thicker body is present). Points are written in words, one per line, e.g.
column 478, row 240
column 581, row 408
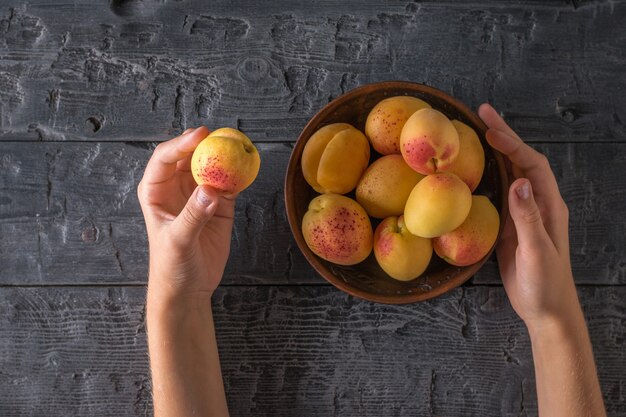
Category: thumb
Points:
column 199, row 209
column 526, row 215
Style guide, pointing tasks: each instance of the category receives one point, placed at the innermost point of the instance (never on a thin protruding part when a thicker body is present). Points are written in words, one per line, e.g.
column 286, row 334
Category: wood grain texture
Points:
column 145, row 70
column 295, row 351
column 72, row 207
column 88, row 88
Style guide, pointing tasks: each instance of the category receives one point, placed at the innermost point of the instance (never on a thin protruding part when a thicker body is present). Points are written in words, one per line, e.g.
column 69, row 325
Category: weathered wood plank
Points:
column 67, row 207
column 73, row 207
column 142, row 71
column 294, row 351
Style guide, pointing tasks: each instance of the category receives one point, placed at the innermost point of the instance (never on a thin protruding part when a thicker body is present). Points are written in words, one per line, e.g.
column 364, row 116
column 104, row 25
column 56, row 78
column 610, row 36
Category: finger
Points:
column 517, row 151
column 531, row 233
column 504, row 139
column 188, row 183
column 556, row 222
column 184, row 164
column 493, row 120
column 530, row 164
column 162, row 165
column 527, row 162
column 517, row 172
column 505, row 251
column 188, row 130
column 227, row 206
column 199, row 209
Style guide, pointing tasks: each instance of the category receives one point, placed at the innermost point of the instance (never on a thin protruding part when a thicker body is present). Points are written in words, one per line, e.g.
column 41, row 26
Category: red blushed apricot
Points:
column 337, row 229
column 474, row 238
column 402, row 255
column 213, row 173
column 470, row 163
column 429, row 142
column 225, row 160
column 385, row 122
column 419, row 152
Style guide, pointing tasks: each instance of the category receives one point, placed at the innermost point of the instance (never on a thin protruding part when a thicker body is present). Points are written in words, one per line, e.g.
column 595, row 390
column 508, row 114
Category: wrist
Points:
column 169, row 307
column 560, row 310
column 557, row 327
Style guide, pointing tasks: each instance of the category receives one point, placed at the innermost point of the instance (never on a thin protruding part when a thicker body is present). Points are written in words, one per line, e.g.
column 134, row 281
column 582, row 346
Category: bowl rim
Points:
column 289, row 188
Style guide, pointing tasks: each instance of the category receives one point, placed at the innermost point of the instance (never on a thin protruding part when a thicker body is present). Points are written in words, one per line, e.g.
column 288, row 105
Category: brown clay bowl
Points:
column 366, row 279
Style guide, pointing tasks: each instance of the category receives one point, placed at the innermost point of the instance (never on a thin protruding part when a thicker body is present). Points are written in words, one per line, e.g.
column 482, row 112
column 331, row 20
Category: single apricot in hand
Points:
column 226, row 160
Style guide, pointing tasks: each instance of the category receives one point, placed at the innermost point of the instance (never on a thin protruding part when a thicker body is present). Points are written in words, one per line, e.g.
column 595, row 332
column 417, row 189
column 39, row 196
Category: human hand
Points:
column 533, row 253
column 189, row 226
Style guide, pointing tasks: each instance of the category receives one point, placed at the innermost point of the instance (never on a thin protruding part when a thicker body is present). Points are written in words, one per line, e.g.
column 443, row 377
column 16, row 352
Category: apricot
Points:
column 470, row 162
column 399, row 253
column 429, row 142
column 225, row 160
column 474, row 238
column 438, row 204
column 385, row 121
column 337, row 229
column 385, row 186
column 334, row 158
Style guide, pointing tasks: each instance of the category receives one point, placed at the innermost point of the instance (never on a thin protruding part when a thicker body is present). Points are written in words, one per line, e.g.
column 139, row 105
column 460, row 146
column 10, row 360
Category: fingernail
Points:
column 523, row 191
column 203, row 198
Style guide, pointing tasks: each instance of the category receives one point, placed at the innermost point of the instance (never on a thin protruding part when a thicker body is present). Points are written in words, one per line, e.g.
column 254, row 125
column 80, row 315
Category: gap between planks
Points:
column 284, row 142
column 321, row 284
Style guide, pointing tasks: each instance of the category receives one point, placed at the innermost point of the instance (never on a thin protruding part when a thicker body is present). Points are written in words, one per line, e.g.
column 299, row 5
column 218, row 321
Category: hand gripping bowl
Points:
column 366, row 279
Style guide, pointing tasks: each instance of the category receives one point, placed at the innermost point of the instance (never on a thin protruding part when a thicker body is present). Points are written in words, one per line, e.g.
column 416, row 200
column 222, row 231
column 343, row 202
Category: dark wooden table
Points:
column 87, row 89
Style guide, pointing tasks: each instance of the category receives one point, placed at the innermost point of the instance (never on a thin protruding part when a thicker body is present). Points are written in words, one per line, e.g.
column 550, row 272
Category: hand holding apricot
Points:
column 189, row 226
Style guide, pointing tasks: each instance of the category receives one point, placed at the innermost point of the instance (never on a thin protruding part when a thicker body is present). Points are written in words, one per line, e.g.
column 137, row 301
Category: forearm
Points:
column 186, row 375
column 567, row 383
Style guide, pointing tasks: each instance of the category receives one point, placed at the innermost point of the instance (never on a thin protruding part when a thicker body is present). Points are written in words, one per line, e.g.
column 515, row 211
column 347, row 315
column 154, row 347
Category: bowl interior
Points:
column 367, row 280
